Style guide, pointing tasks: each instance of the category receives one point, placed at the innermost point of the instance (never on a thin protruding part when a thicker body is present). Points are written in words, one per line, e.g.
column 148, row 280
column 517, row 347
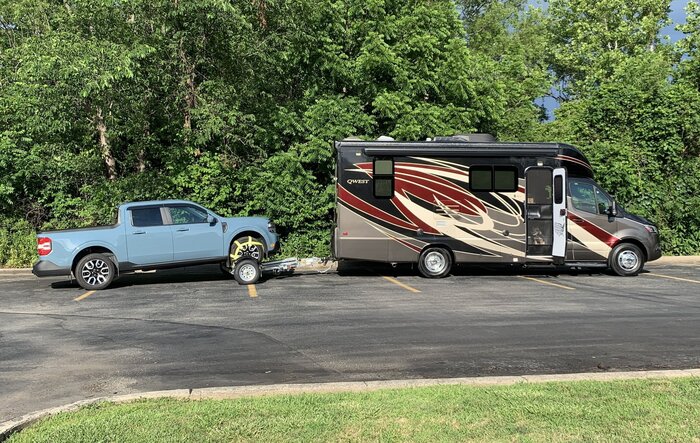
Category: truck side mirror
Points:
column 211, row 219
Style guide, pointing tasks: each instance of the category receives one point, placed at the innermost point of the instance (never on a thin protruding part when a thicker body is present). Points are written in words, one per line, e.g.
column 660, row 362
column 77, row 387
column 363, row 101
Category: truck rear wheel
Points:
column 435, row 262
column 95, row 272
column 626, row 259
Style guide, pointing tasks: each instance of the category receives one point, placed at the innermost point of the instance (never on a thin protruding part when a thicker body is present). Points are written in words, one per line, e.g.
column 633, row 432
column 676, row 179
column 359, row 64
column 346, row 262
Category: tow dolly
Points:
column 247, row 270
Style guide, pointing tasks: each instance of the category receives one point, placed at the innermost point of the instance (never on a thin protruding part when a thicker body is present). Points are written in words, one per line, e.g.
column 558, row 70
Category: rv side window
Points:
column 383, row 176
column 505, row 179
column 480, row 178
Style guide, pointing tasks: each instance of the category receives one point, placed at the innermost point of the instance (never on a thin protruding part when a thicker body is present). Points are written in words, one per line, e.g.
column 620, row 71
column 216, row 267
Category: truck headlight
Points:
column 651, row 229
column 271, row 227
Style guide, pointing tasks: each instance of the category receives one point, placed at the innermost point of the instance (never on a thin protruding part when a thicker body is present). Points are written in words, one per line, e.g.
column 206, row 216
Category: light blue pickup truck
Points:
column 154, row 235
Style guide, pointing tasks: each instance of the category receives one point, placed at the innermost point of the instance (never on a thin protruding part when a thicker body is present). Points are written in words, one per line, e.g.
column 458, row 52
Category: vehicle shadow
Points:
column 192, row 274
column 362, row 268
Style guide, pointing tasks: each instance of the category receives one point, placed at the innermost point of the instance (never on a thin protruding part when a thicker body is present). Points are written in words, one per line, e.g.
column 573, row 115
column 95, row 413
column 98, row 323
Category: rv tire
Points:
column 626, row 259
column 435, row 262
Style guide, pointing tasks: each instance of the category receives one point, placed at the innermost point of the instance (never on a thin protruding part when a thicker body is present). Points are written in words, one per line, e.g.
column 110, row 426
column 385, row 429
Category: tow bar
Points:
column 278, row 267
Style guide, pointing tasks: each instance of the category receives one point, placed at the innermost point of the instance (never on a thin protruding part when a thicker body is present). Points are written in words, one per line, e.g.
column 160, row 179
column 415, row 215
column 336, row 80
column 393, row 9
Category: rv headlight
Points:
column 651, row 229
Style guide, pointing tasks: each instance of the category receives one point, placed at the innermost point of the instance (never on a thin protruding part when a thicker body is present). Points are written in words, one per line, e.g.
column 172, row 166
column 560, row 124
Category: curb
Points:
column 10, row 427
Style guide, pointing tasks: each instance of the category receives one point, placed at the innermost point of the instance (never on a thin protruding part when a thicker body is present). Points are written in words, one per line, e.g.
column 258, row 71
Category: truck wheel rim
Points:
column 251, row 251
column 628, row 260
column 435, row 262
column 247, row 272
column 95, row 272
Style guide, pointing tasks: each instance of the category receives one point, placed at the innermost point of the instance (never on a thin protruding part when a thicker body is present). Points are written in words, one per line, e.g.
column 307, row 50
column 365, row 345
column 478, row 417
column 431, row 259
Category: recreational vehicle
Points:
column 471, row 199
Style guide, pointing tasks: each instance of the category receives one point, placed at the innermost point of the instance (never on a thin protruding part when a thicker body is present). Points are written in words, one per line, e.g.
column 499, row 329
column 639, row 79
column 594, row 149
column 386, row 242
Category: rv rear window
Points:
column 480, row 178
column 383, row 167
column 383, row 177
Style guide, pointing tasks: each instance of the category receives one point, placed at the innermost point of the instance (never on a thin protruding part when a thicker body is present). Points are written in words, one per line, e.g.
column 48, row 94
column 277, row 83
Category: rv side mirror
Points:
column 612, row 209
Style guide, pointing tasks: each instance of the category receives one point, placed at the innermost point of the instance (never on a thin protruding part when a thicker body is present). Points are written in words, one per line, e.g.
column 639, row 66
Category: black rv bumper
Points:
column 45, row 268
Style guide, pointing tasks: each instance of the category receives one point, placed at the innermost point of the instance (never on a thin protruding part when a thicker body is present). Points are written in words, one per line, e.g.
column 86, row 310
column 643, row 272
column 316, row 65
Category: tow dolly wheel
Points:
column 246, row 271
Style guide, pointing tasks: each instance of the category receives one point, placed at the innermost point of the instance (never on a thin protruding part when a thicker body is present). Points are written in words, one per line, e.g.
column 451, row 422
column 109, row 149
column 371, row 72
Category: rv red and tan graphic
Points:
column 460, row 200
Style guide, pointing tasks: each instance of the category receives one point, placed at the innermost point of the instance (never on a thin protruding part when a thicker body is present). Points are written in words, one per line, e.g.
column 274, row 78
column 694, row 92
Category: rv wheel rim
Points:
column 95, row 272
column 628, row 260
column 247, row 272
column 435, row 262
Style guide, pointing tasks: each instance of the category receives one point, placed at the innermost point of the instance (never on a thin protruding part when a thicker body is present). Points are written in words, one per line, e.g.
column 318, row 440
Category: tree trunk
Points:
column 103, row 140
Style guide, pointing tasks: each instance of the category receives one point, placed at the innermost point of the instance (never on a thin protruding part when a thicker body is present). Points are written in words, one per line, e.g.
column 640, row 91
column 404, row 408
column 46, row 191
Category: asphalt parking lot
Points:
column 195, row 328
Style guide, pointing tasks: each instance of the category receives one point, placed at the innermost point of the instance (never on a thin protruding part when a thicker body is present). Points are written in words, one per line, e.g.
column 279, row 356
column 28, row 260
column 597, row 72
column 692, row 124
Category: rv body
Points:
column 457, row 200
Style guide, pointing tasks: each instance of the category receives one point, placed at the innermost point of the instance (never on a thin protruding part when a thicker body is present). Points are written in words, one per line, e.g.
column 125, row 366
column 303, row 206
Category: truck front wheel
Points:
column 95, row 272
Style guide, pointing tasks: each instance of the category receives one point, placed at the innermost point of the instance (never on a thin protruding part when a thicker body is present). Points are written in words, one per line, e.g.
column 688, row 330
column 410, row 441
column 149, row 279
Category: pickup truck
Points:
column 153, row 235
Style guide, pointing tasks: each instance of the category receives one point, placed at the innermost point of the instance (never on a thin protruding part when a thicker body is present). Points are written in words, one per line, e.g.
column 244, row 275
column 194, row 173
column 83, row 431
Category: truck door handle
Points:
column 139, row 232
column 183, row 229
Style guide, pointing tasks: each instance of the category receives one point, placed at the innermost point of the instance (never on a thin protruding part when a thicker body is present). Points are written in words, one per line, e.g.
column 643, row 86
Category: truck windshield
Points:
column 587, row 196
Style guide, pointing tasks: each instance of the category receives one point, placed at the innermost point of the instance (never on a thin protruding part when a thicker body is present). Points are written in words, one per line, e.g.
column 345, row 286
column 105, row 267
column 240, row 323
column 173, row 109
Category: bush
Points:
column 17, row 243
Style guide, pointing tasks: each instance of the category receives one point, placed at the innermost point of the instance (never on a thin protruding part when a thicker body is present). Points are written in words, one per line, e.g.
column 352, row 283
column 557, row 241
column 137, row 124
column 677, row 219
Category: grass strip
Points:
column 630, row 410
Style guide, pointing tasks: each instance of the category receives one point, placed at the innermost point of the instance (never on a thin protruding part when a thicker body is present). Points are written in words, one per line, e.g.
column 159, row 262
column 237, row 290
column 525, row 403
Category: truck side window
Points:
column 142, row 217
column 583, row 196
column 383, row 178
column 184, row 215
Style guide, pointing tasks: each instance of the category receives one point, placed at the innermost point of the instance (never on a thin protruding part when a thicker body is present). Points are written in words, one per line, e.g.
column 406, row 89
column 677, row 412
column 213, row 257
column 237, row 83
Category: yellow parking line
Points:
column 396, row 282
column 252, row 291
column 84, row 296
column 547, row 283
column 673, row 278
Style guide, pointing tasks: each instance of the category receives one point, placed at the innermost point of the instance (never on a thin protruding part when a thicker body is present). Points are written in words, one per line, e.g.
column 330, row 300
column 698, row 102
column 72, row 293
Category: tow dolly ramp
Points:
column 279, row 266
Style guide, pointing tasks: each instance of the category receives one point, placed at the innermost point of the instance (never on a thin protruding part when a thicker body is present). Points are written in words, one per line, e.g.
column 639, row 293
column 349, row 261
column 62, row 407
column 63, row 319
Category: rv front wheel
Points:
column 626, row 259
column 435, row 262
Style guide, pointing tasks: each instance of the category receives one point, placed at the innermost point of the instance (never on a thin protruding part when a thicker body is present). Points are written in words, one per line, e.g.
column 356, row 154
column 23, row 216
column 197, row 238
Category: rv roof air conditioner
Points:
column 473, row 138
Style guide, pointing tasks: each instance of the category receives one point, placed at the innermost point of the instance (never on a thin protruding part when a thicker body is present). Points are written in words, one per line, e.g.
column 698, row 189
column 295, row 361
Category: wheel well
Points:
column 93, row 250
column 253, row 234
column 637, row 243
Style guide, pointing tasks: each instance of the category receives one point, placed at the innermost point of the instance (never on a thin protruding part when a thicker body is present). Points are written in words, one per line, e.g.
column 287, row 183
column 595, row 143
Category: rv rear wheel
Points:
column 626, row 259
column 435, row 262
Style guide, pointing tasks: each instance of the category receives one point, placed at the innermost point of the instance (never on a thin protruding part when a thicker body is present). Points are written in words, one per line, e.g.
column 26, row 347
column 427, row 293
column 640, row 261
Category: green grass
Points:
column 629, row 411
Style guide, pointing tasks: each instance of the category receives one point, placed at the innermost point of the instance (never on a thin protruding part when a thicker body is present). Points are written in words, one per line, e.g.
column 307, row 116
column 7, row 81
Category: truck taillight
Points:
column 43, row 246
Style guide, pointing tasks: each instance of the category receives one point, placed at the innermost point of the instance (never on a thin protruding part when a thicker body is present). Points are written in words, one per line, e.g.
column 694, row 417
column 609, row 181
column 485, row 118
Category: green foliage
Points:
column 235, row 104
column 17, row 243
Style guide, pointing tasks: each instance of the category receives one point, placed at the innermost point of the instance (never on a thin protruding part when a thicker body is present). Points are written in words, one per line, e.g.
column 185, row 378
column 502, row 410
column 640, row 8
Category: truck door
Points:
column 148, row 239
column 194, row 238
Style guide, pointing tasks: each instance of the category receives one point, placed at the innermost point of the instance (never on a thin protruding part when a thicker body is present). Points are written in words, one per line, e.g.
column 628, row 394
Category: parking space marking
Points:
column 252, row 291
column 403, row 285
column 84, row 296
column 547, row 282
column 673, row 278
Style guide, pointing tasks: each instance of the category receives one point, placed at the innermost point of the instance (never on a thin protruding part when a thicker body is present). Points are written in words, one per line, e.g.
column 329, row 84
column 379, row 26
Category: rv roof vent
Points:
column 385, row 138
column 474, row 138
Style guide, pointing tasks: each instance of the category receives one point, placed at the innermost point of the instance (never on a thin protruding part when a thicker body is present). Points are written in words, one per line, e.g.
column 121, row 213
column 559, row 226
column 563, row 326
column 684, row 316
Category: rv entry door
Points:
column 559, row 216
column 538, row 207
